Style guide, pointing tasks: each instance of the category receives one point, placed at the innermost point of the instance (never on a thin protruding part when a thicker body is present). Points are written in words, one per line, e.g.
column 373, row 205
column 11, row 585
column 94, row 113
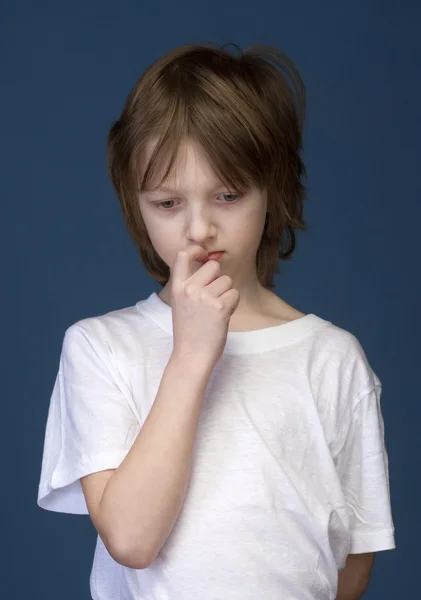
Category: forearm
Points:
column 348, row 593
column 354, row 578
column 143, row 498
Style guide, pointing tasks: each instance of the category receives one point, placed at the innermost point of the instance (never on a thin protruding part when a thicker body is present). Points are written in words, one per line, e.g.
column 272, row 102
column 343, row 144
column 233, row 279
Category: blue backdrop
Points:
column 67, row 68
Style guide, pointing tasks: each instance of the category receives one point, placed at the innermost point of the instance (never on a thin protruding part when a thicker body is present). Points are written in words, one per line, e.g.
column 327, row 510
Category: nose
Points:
column 200, row 228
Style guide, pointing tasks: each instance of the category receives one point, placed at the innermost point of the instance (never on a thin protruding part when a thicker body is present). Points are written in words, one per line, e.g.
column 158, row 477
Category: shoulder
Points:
column 341, row 345
column 112, row 321
column 341, row 375
column 343, row 367
column 108, row 333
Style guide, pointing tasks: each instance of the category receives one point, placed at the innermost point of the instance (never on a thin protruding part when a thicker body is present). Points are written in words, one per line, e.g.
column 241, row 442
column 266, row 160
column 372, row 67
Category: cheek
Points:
column 251, row 226
column 165, row 243
column 158, row 231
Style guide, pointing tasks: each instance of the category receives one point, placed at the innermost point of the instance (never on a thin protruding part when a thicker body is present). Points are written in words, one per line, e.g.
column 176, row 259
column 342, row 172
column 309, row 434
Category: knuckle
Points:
column 188, row 290
column 219, row 307
column 202, row 295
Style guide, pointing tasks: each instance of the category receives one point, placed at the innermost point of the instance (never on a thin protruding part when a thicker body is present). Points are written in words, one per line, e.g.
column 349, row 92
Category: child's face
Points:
column 199, row 210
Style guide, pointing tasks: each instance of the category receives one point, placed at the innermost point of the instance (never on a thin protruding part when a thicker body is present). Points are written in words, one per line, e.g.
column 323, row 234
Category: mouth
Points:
column 213, row 256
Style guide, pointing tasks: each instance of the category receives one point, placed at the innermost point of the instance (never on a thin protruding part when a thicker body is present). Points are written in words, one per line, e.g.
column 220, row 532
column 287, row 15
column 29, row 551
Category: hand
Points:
column 202, row 302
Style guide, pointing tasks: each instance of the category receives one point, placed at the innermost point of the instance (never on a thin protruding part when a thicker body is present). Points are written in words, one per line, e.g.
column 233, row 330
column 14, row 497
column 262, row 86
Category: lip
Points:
column 213, row 256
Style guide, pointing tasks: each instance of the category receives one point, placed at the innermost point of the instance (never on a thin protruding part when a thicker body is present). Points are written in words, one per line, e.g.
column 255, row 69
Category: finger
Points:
column 183, row 266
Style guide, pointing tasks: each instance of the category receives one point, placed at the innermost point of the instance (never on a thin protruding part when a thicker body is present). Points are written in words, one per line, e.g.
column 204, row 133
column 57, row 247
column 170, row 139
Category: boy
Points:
column 224, row 444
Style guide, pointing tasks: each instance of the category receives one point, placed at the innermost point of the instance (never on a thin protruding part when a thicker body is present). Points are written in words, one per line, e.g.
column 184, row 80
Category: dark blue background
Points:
column 67, row 68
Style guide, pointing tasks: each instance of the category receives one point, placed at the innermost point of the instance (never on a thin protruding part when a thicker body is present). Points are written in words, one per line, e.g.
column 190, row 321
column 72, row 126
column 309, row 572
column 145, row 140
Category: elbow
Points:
column 122, row 545
column 127, row 556
column 132, row 561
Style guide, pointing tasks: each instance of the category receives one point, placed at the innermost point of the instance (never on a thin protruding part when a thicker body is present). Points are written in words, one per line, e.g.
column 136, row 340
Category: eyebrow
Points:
column 169, row 190
column 160, row 188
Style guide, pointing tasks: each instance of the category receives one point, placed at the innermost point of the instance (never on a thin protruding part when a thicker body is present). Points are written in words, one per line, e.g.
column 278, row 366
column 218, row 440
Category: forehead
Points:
column 189, row 163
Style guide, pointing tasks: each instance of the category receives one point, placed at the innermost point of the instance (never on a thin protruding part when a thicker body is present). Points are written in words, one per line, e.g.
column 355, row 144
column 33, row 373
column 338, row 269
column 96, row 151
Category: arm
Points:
column 354, row 578
column 142, row 499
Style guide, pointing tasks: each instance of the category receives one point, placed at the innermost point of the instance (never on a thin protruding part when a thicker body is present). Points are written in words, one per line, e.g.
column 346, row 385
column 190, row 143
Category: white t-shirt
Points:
column 290, row 470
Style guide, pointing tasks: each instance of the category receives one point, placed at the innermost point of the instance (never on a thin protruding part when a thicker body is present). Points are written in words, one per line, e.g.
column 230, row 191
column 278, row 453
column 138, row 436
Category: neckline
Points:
column 254, row 341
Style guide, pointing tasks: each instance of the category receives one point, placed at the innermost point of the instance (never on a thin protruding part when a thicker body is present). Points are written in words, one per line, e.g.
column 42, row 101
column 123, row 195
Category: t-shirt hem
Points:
column 374, row 541
column 63, row 492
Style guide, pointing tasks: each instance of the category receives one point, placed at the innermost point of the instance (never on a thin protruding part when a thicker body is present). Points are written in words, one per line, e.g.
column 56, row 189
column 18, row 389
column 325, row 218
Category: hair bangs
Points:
column 224, row 152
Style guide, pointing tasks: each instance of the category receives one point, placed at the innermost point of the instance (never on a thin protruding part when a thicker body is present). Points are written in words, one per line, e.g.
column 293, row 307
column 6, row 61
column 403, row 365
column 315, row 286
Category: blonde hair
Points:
column 244, row 115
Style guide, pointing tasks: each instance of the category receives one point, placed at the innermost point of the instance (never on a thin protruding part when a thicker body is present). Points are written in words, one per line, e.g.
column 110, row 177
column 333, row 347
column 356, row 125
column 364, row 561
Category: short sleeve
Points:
column 363, row 470
column 90, row 425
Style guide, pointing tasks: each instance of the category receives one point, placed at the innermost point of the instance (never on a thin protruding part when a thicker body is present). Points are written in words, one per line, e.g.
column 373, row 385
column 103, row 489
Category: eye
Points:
column 235, row 198
column 160, row 204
